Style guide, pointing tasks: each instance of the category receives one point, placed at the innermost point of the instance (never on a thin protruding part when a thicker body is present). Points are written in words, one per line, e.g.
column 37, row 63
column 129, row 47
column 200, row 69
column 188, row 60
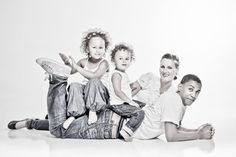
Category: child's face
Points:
column 96, row 47
column 122, row 60
column 189, row 92
column 167, row 70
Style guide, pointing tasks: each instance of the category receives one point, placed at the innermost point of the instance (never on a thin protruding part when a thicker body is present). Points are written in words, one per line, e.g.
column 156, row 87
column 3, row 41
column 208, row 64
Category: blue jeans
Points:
column 37, row 124
column 93, row 96
column 135, row 114
column 79, row 128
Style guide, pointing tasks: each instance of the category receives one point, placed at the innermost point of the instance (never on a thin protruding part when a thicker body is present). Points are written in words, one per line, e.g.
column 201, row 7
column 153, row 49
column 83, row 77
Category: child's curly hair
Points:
column 124, row 47
column 96, row 32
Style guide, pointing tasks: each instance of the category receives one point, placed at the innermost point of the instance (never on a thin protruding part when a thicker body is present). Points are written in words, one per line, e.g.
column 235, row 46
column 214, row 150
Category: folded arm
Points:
column 102, row 69
column 174, row 133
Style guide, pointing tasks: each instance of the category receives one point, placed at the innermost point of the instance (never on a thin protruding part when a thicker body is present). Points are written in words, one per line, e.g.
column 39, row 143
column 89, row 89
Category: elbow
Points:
column 170, row 138
column 117, row 93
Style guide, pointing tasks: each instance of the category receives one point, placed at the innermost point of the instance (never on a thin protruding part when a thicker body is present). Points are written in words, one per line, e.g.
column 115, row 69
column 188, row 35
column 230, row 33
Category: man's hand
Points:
column 206, row 131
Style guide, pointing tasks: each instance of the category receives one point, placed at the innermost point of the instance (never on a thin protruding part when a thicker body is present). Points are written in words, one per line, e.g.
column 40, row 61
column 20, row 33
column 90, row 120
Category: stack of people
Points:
column 107, row 105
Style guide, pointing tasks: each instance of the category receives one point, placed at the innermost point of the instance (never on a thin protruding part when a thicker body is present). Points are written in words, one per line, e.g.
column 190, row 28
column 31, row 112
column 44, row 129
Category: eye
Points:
column 162, row 67
column 190, row 89
column 127, row 59
column 169, row 67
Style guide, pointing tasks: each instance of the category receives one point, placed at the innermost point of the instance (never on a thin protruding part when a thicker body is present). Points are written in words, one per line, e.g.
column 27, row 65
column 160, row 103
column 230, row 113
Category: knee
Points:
column 56, row 132
column 141, row 114
column 74, row 86
column 94, row 81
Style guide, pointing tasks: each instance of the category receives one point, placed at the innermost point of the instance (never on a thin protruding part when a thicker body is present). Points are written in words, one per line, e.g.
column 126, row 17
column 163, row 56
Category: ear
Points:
column 87, row 49
column 180, row 87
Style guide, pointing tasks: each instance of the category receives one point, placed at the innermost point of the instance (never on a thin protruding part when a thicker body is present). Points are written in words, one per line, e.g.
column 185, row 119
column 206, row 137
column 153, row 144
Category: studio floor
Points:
column 26, row 143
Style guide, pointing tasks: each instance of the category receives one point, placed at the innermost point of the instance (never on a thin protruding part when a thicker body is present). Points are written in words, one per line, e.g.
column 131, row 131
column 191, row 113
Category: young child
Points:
column 94, row 44
column 120, row 91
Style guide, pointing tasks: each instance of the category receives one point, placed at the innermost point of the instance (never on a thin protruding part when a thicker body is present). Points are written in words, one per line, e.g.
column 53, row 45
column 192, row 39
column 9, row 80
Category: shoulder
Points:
column 171, row 98
column 104, row 63
column 116, row 73
column 149, row 76
column 149, row 81
column 115, row 76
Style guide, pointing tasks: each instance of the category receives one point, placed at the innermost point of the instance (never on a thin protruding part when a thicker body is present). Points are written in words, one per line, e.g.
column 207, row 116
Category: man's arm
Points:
column 181, row 128
column 176, row 134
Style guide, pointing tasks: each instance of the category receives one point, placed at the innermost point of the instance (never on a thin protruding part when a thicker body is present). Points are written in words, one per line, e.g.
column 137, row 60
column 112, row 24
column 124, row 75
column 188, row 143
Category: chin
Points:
column 166, row 80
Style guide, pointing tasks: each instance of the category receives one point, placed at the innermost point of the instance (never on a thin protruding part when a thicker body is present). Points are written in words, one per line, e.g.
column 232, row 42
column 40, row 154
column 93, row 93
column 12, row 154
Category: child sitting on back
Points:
column 120, row 91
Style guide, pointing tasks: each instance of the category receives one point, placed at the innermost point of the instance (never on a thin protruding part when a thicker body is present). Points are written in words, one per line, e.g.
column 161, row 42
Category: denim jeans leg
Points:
column 56, row 104
column 102, row 129
column 76, row 106
column 96, row 95
column 135, row 114
column 37, row 124
column 79, row 128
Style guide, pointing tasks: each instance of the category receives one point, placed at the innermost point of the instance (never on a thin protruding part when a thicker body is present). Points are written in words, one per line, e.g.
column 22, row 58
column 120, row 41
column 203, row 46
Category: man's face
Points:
column 189, row 92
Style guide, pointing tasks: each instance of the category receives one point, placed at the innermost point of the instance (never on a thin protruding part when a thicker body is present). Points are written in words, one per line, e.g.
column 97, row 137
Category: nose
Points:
column 164, row 70
column 98, row 50
column 194, row 95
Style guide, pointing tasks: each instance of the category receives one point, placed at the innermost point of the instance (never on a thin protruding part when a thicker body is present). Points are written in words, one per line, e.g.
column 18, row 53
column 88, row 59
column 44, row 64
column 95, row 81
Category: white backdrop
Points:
column 201, row 32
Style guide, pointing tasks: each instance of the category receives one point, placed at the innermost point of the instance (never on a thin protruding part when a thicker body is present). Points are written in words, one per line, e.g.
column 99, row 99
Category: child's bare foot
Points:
column 92, row 117
column 67, row 123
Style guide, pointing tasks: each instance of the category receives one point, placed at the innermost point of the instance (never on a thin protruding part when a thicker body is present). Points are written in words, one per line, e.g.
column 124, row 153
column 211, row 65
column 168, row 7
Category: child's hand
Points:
column 134, row 104
column 65, row 59
column 73, row 63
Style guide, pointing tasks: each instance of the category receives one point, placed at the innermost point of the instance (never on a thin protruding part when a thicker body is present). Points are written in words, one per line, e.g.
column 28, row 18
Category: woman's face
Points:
column 167, row 70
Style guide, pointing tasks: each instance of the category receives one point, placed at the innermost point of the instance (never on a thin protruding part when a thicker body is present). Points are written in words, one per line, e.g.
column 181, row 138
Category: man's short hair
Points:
column 190, row 77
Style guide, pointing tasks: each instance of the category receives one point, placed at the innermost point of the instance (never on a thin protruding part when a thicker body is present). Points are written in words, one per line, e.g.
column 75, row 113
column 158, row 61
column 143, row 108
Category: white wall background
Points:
column 201, row 32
